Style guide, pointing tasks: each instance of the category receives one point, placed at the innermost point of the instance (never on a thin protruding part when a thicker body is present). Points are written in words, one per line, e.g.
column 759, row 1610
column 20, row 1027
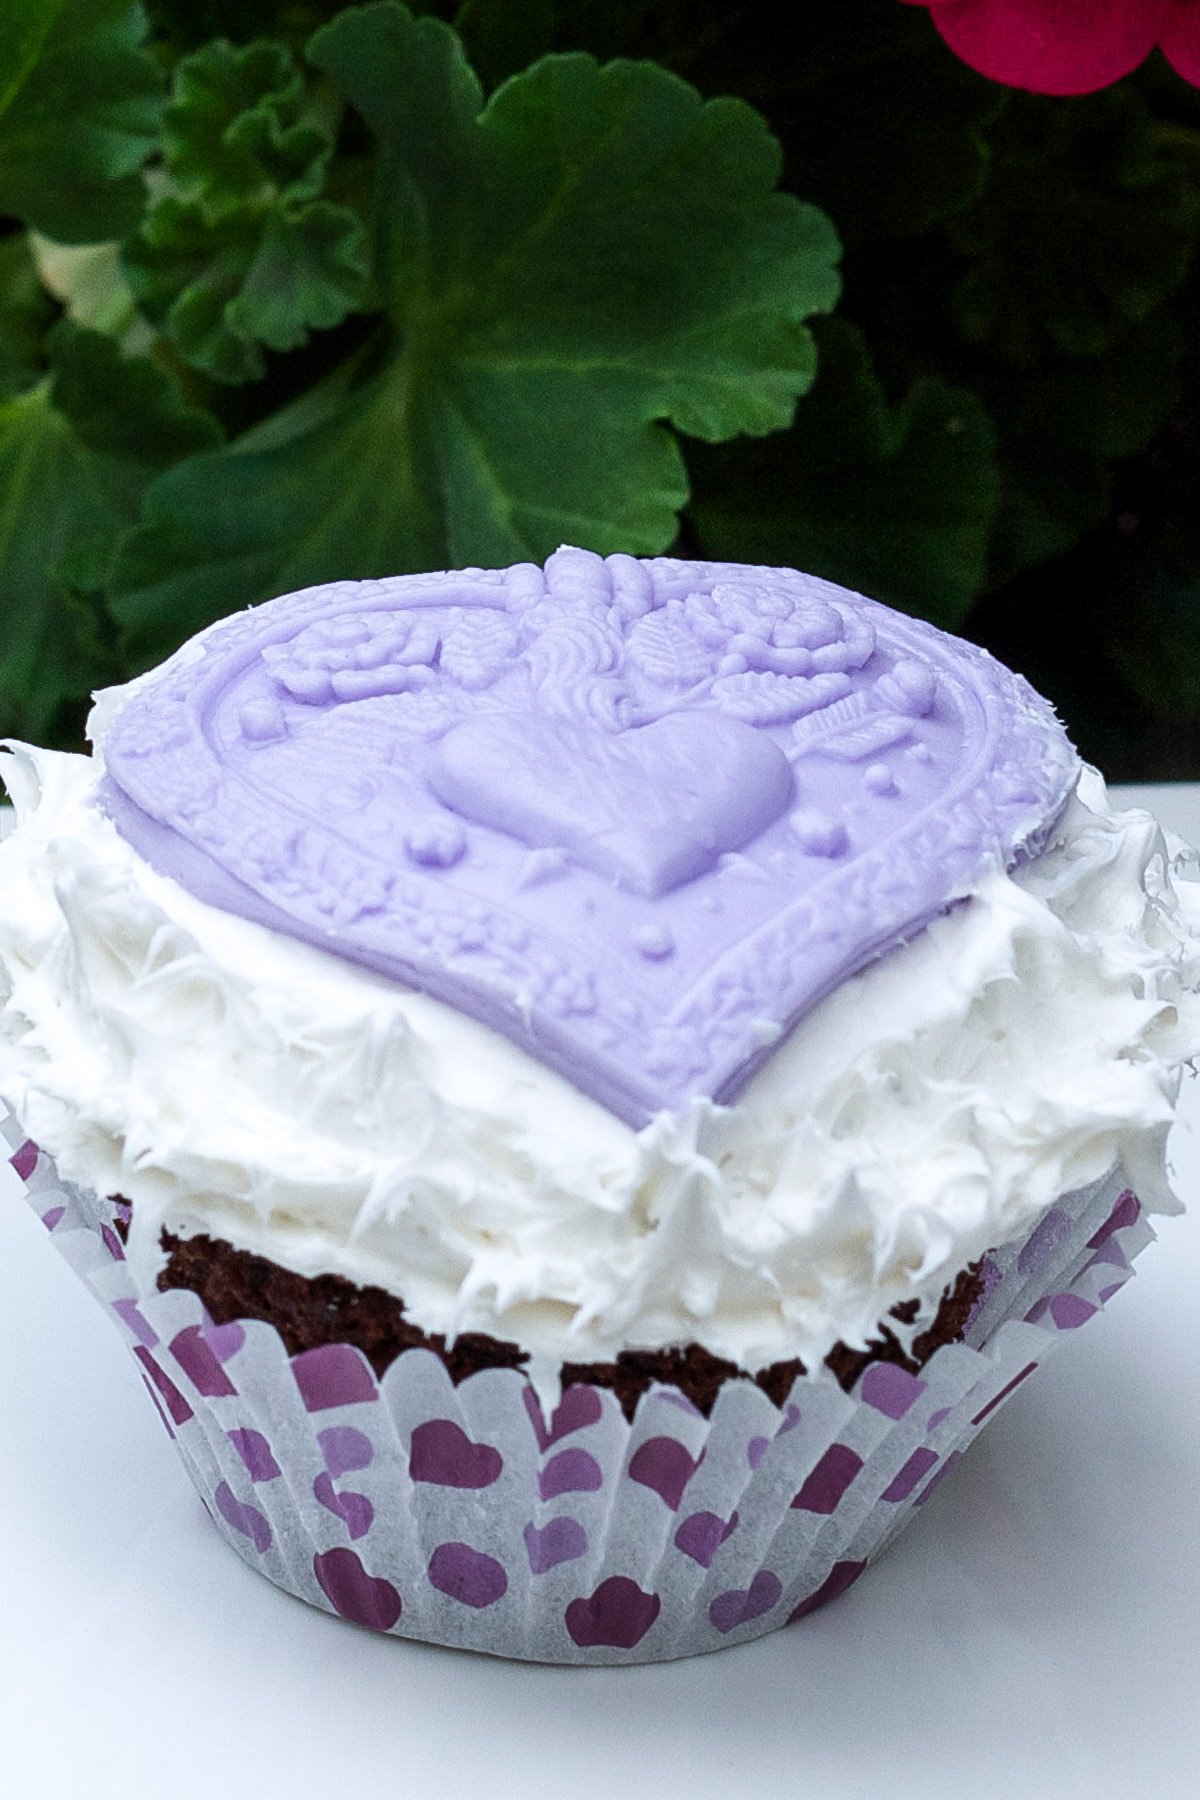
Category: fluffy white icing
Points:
column 234, row 1081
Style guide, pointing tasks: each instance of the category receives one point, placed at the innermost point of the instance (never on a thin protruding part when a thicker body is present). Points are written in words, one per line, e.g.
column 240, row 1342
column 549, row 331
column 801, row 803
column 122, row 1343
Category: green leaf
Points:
column 1062, row 428
column 1155, row 634
column 593, row 253
column 89, row 281
column 893, row 500
column 240, row 256
column 188, row 24
column 1085, row 227
column 80, row 104
column 501, row 38
column 885, row 129
column 76, row 452
column 232, row 131
column 221, row 289
column 26, row 314
column 1148, row 616
column 881, row 124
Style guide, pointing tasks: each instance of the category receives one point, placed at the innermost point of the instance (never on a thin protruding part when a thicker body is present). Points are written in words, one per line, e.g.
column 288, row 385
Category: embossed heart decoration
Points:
column 639, row 816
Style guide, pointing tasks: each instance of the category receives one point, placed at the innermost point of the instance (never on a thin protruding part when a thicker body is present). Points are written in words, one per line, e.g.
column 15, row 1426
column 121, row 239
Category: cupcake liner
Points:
column 462, row 1516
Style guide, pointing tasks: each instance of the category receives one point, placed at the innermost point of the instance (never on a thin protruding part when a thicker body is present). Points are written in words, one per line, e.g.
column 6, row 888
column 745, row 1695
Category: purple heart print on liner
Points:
column 246, row 1519
column 363, row 1598
column 843, row 1575
column 637, row 815
column 738, row 1607
column 443, row 1455
column 467, row 1575
column 578, row 1408
column 666, row 1466
column 619, row 1613
column 702, row 1534
column 256, row 1453
column 558, row 1541
column 354, row 1510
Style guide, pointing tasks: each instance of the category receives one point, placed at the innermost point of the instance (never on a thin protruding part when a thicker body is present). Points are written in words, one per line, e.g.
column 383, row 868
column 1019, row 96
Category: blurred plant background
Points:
column 291, row 291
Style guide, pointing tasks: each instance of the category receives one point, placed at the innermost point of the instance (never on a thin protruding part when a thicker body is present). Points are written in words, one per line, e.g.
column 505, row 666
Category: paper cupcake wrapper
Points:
column 458, row 1515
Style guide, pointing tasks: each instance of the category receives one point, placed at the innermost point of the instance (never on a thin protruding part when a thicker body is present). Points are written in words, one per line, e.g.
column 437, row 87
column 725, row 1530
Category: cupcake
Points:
column 584, row 1087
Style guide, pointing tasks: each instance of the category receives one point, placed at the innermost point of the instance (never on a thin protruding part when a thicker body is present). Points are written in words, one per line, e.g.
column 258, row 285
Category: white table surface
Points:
column 1036, row 1631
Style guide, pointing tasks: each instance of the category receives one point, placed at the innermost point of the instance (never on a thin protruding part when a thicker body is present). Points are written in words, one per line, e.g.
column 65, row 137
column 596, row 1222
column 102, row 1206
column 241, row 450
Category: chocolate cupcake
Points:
column 585, row 1086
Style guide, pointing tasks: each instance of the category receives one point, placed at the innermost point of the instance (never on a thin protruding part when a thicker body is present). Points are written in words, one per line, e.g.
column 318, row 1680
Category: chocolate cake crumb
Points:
column 323, row 1309
column 308, row 1311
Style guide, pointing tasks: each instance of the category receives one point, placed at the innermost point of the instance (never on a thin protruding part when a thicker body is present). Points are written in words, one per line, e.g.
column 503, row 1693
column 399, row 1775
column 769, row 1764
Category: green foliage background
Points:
column 291, row 290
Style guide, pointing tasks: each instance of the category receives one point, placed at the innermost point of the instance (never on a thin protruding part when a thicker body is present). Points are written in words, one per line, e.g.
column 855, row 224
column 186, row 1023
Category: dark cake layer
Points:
column 327, row 1309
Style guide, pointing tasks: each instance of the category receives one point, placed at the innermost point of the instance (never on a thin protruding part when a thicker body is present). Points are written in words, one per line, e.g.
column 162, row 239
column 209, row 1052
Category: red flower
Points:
column 1068, row 46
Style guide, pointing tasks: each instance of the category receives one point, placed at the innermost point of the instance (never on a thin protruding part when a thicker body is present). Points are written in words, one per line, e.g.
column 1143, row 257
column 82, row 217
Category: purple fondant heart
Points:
column 557, row 1541
column 649, row 809
column 666, row 1466
column 362, row 1598
column 740, row 1605
column 354, row 1510
column 244, row 1518
column 618, row 1614
column 701, row 1535
column 579, row 1407
column 443, row 1454
column 748, row 780
column 467, row 1575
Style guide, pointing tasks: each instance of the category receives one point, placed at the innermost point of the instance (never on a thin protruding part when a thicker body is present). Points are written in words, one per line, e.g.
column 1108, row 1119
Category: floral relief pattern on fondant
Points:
column 636, row 815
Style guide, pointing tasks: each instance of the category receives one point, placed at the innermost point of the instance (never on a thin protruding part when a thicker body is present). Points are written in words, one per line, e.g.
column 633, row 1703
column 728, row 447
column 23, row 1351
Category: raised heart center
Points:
column 651, row 808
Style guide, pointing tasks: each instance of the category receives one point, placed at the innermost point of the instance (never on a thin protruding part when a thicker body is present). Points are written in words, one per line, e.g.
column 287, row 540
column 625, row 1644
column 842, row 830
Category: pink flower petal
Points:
column 1054, row 46
column 1180, row 40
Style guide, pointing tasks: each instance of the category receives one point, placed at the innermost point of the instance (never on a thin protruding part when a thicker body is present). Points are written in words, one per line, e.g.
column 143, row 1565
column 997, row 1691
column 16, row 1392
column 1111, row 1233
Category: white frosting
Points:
column 231, row 1080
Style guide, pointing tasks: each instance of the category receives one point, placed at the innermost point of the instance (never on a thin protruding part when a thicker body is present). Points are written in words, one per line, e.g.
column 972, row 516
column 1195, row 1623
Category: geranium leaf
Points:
column 895, row 500
column 915, row 150
column 254, row 276
column 26, row 314
column 76, row 452
column 240, row 256
column 1085, row 227
column 501, row 38
column 1061, row 429
column 593, row 254
column 1160, row 655
column 232, row 130
column 80, row 104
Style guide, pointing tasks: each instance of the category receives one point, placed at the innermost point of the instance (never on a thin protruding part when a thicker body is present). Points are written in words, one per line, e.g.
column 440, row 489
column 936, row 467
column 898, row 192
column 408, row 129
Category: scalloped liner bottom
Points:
column 462, row 1517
